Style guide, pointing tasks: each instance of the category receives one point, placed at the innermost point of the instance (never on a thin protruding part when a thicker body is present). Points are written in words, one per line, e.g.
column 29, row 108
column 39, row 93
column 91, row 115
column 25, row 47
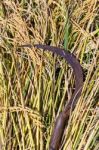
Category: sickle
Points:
column 62, row 120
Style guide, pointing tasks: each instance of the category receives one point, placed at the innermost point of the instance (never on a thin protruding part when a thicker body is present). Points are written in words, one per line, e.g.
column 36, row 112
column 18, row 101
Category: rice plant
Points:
column 35, row 85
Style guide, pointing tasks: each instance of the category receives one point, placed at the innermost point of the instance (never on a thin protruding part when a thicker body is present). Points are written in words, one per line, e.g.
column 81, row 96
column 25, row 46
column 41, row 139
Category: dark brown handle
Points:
column 58, row 131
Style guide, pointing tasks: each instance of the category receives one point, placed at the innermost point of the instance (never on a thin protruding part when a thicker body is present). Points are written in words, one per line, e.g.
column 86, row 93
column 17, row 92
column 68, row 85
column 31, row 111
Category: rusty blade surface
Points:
column 62, row 120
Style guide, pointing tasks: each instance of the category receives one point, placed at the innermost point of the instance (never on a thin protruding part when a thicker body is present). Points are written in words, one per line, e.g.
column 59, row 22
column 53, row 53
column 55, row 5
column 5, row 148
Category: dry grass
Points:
column 34, row 85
